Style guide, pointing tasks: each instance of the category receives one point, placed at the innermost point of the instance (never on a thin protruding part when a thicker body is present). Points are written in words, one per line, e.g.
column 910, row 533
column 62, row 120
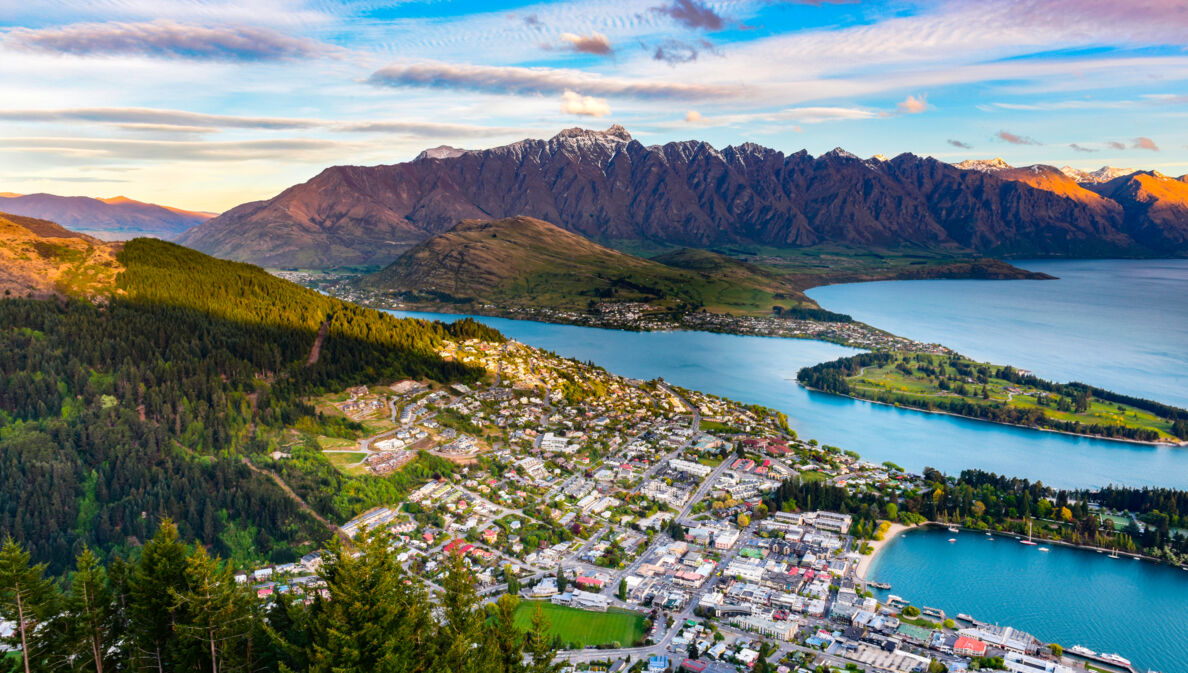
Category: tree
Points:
column 460, row 627
column 1056, row 649
column 216, row 611
column 158, row 573
column 911, row 611
column 623, row 589
column 89, row 617
column 513, row 582
column 561, row 580
column 504, row 643
column 540, row 645
column 743, row 520
column 26, row 599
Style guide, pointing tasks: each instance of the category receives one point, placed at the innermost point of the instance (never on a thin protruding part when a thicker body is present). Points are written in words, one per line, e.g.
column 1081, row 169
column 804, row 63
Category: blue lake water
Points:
column 763, row 371
column 1118, row 324
column 1069, row 596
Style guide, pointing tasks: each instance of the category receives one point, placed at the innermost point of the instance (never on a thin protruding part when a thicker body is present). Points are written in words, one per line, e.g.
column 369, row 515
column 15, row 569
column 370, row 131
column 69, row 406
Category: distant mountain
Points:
column 41, row 259
column 984, row 165
column 610, row 188
column 1103, row 174
column 116, row 218
column 1156, row 206
column 526, row 262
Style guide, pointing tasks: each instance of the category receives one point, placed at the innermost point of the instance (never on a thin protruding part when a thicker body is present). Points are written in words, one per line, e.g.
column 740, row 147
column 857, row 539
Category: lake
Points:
column 1117, row 324
column 1069, row 596
column 763, row 370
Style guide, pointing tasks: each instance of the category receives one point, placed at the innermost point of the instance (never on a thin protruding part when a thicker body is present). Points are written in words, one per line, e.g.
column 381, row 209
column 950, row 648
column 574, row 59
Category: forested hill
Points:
column 116, row 413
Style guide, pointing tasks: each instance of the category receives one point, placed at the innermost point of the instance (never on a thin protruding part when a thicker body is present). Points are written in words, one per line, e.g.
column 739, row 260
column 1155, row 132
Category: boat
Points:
column 1115, row 659
column 1114, row 555
column 1028, row 541
column 952, row 539
column 1044, row 549
column 879, row 585
column 954, row 529
column 965, row 618
column 932, row 612
column 1082, row 651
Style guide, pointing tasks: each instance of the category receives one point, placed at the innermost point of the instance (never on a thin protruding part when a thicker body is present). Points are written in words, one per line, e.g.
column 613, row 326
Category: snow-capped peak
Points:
column 441, row 152
column 879, row 157
column 984, row 165
column 1103, row 174
column 840, row 153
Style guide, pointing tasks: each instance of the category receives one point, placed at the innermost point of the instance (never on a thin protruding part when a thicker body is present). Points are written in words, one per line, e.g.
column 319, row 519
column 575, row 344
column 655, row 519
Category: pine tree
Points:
column 540, row 645
column 217, row 615
column 89, row 617
column 460, row 628
column 152, row 615
column 27, row 600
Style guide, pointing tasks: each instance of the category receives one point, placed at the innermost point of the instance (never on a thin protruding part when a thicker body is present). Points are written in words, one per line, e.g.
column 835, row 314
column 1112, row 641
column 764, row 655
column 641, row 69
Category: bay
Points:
column 1121, row 325
column 1070, row 596
column 763, row 370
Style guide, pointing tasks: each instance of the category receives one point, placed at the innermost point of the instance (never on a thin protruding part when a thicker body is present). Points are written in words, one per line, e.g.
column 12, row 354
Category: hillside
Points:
column 611, row 188
column 1156, row 205
column 117, row 218
column 525, row 262
column 153, row 402
column 39, row 258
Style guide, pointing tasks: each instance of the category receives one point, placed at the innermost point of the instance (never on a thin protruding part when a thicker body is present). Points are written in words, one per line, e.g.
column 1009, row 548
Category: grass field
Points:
column 919, row 385
column 584, row 627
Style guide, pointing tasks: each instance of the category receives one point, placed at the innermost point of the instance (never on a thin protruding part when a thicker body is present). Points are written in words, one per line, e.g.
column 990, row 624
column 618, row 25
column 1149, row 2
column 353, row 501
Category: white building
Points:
column 689, row 467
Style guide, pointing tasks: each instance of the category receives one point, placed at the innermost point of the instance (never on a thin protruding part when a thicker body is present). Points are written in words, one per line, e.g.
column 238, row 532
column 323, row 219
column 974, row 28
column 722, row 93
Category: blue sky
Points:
column 205, row 104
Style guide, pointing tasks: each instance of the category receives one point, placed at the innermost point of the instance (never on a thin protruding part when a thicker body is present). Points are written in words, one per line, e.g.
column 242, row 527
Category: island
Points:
column 954, row 384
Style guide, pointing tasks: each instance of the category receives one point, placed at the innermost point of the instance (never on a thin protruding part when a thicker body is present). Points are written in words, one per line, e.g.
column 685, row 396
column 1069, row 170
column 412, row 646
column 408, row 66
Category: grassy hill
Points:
column 152, row 402
column 38, row 258
column 525, row 262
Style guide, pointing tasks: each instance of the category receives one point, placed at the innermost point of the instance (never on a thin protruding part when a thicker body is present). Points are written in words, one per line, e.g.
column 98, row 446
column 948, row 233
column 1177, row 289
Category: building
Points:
column 695, row 469
column 657, row 663
column 969, row 647
column 725, row 539
column 832, row 521
column 1004, row 637
column 766, row 626
column 1022, row 663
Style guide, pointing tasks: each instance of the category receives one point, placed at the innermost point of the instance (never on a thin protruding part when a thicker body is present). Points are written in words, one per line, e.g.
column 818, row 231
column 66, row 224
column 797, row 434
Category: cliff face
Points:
column 611, row 188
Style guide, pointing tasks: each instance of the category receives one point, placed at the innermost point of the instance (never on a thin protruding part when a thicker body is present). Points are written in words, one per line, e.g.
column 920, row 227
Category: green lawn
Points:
column 809, row 476
column 584, row 627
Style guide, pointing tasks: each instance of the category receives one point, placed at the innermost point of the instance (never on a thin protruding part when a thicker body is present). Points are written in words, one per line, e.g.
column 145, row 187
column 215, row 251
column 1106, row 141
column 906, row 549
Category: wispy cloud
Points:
column 913, row 105
column 594, row 43
column 248, row 150
column 180, row 121
column 1015, row 139
column 1142, row 143
column 692, row 14
column 674, row 52
column 1115, row 145
column 167, row 39
column 958, row 143
column 586, row 106
column 1081, row 148
column 519, row 80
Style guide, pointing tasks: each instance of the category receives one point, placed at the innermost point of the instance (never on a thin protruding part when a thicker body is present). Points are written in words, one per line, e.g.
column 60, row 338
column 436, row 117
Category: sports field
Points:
column 584, row 627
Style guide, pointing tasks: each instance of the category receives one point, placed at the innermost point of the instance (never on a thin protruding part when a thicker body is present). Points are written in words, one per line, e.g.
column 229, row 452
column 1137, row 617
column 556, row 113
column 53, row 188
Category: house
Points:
column 657, row 663
column 969, row 647
column 1022, row 663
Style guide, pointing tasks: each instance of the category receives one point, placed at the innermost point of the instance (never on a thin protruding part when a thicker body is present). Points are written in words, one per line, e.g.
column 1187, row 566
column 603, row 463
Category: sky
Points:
column 206, row 104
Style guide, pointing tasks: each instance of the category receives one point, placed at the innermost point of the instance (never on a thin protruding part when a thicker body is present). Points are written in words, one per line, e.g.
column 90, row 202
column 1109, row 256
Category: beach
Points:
column 866, row 559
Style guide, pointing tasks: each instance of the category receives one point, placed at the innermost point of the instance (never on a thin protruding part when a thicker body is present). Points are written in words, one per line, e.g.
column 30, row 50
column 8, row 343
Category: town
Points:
column 637, row 513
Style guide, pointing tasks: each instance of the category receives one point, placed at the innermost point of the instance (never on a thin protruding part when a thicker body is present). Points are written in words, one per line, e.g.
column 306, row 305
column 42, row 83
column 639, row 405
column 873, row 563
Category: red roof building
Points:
column 969, row 647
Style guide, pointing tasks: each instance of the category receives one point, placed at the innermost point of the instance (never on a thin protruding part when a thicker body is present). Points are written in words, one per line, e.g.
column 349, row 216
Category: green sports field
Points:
column 585, row 627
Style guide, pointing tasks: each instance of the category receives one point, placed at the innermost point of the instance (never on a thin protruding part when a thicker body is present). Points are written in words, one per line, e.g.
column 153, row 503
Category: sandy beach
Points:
column 866, row 560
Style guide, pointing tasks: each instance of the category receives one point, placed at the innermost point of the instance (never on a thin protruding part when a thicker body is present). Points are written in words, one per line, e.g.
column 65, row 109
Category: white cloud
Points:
column 587, row 106
column 913, row 105
column 594, row 43
column 693, row 117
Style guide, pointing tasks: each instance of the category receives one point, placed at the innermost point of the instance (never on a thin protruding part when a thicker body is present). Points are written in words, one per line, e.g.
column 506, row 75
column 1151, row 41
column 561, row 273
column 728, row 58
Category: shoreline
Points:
column 865, row 561
column 1165, row 444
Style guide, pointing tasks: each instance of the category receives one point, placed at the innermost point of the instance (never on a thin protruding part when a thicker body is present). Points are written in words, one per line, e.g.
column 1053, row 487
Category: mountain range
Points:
column 116, row 218
column 611, row 188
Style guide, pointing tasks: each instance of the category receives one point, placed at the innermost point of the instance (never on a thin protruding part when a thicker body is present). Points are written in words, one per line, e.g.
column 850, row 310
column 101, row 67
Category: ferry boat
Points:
column 1081, row 650
column 1115, row 659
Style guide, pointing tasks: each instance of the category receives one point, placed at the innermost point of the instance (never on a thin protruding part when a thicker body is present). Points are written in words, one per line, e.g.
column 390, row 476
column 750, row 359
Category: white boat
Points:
column 1081, row 650
column 1114, row 659
column 1044, row 549
column 1028, row 541
column 954, row 529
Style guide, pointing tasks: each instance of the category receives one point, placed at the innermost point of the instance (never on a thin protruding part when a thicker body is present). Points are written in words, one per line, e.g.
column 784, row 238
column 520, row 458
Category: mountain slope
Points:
column 116, row 218
column 610, row 188
column 1156, row 207
column 39, row 258
column 525, row 262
